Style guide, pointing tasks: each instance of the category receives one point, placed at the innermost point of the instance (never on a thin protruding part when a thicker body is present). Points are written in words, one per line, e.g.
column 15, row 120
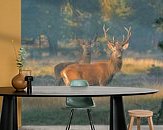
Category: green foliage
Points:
column 160, row 45
column 110, row 8
column 155, row 71
column 122, row 8
column 159, row 24
column 61, row 20
column 20, row 60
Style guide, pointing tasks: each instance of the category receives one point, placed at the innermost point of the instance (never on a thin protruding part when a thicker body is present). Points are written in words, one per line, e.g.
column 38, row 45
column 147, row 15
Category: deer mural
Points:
column 86, row 46
column 99, row 73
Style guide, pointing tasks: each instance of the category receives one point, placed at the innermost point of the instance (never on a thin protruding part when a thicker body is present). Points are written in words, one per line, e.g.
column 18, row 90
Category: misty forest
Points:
column 57, row 33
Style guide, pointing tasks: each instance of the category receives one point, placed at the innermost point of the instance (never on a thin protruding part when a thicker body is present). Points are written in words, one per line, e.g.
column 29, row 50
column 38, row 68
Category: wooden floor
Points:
column 82, row 127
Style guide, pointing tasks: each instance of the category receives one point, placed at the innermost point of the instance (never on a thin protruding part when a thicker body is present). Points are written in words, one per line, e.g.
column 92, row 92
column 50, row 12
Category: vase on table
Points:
column 18, row 81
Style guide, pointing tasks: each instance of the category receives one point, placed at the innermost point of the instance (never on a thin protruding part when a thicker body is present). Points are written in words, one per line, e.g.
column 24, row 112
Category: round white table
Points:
column 117, row 116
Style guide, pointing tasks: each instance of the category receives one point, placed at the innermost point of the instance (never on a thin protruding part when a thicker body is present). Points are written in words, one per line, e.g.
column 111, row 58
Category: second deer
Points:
column 86, row 46
column 99, row 73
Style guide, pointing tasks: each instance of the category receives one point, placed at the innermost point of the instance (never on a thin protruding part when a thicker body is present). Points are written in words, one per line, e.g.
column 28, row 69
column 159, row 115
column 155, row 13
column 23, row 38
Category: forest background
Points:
column 50, row 33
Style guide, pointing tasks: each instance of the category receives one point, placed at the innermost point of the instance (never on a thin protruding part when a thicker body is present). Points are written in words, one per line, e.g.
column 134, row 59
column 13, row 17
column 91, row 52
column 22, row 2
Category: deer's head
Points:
column 117, row 47
column 87, row 43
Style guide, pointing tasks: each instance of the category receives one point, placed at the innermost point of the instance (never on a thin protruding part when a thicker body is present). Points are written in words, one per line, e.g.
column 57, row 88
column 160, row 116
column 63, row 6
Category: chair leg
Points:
column 138, row 123
column 131, row 123
column 90, row 119
column 150, row 122
column 70, row 119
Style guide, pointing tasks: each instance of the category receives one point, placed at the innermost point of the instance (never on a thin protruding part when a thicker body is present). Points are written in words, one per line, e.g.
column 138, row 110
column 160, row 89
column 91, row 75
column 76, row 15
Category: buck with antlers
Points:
column 99, row 73
column 86, row 46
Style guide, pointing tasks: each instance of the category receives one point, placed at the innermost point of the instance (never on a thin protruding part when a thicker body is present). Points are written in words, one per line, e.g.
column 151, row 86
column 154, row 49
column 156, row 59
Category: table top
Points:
column 64, row 91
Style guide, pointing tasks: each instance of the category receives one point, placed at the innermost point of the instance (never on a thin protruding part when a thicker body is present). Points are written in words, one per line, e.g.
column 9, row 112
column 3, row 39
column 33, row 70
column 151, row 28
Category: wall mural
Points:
column 59, row 34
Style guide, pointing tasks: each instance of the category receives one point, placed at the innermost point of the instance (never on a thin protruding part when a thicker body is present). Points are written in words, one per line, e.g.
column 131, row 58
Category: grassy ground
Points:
column 51, row 111
column 135, row 72
column 58, row 115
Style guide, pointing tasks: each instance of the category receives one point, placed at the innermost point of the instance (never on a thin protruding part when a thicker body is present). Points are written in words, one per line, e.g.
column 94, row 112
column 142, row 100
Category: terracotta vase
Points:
column 18, row 82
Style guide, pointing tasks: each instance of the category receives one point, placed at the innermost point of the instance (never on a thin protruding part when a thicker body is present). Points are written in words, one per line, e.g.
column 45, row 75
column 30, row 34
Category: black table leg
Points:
column 9, row 113
column 117, row 116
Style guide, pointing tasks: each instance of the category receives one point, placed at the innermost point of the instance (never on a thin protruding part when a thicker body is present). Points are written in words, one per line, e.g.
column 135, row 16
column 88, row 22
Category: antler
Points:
column 105, row 31
column 95, row 38
column 105, row 34
column 94, row 41
column 128, row 35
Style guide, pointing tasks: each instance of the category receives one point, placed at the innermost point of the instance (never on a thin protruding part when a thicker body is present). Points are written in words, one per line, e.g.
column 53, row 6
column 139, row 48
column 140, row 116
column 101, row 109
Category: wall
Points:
column 10, row 29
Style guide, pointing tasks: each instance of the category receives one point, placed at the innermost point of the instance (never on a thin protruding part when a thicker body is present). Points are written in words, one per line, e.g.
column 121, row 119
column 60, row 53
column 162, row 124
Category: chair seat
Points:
column 140, row 113
column 80, row 102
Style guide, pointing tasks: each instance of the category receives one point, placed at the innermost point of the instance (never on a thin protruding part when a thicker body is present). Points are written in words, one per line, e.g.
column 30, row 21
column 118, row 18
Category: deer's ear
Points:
column 125, row 46
column 111, row 46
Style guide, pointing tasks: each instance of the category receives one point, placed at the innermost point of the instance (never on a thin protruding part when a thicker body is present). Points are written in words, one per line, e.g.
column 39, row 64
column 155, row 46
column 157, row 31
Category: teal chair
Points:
column 81, row 103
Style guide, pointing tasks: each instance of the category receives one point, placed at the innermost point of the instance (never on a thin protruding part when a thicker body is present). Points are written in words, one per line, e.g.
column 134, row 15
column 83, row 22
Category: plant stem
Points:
column 14, row 49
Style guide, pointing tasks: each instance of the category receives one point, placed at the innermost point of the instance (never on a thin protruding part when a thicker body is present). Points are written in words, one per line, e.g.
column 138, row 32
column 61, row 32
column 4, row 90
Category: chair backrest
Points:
column 79, row 102
column 79, row 83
